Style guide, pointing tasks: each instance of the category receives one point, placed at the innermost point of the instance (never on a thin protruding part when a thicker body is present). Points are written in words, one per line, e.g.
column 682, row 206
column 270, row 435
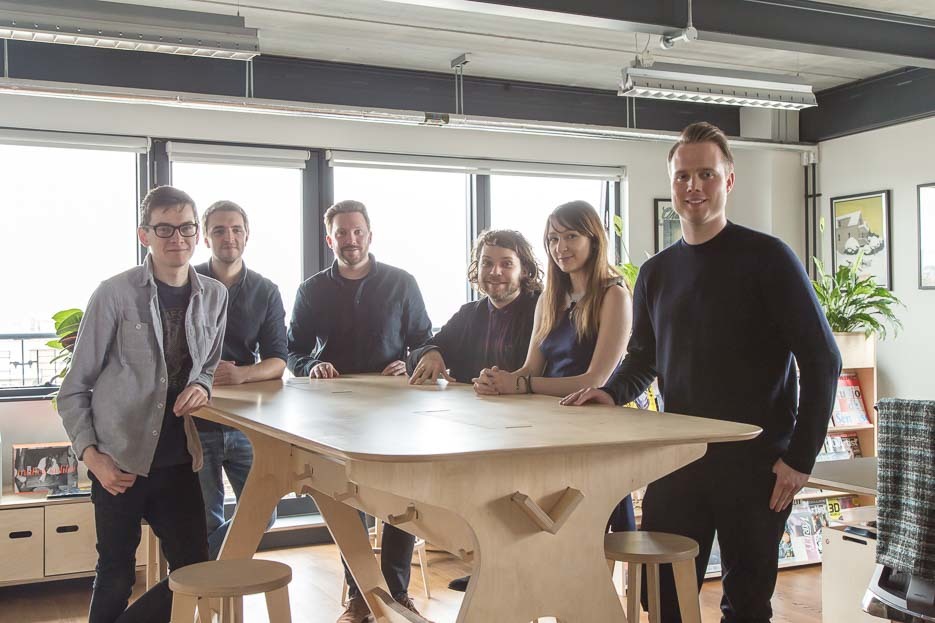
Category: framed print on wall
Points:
column 862, row 223
column 927, row 236
column 668, row 226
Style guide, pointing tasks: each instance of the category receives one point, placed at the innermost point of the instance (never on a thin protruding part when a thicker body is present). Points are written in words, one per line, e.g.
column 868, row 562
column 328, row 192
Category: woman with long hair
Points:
column 582, row 320
column 581, row 325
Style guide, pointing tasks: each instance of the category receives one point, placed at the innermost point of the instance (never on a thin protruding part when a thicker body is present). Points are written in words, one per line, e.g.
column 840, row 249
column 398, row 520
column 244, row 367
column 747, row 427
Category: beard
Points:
column 501, row 291
column 352, row 259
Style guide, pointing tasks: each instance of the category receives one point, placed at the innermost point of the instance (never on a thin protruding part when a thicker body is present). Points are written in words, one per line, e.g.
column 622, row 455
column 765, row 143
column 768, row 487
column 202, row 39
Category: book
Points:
column 51, row 467
column 848, row 407
column 840, row 446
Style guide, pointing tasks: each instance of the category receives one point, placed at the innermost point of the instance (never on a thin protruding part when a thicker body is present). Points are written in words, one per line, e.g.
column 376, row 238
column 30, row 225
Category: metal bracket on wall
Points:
column 458, row 64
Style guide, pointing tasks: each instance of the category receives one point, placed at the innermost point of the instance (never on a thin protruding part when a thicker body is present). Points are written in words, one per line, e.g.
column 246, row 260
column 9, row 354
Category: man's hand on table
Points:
column 394, row 368
column 191, row 399
column 586, row 395
column 323, row 370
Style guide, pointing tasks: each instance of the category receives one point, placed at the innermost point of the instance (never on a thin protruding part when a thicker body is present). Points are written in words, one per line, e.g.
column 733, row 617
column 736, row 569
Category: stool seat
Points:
column 649, row 547
column 225, row 578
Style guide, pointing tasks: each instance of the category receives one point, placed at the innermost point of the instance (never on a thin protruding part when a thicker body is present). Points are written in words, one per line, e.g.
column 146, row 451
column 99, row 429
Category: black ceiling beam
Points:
column 344, row 84
column 877, row 102
column 796, row 25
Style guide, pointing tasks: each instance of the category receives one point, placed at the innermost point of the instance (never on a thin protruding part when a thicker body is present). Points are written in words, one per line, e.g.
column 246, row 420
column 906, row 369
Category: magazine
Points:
column 51, row 467
column 848, row 407
column 840, row 446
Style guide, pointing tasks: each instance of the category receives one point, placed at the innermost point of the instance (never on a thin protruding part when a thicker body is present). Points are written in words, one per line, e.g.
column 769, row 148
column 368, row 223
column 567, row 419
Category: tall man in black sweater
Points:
column 359, row 316
column 722, row 317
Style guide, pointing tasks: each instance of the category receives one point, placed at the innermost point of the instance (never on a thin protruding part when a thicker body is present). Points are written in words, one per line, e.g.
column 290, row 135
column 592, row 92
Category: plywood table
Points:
column 519, row 486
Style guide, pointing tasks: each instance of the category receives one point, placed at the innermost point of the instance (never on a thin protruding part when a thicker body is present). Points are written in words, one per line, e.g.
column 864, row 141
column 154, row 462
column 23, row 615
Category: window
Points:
column 272, row 198
column 67, row 222
column 524, row 203
column 419, row 224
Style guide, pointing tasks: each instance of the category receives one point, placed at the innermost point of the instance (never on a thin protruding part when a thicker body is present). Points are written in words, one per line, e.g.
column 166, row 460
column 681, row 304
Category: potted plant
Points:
column 857, row 308
column 66, row 332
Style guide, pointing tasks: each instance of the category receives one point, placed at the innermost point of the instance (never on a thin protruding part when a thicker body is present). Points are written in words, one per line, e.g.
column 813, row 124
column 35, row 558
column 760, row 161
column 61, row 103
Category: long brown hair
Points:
column 579, row 216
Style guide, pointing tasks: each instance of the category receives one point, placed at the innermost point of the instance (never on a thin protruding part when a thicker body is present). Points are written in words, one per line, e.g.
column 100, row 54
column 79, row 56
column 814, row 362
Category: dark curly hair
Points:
column 531, row 281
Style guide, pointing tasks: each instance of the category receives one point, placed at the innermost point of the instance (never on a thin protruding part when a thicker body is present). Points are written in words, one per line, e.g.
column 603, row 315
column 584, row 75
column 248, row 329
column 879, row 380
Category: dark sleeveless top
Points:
column 564, row 354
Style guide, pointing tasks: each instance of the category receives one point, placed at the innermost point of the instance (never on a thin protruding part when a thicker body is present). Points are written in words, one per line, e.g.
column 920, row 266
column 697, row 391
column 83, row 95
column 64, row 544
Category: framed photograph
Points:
column 861, row 223
column 51, row 467
column 668, row 226
column 927, row 236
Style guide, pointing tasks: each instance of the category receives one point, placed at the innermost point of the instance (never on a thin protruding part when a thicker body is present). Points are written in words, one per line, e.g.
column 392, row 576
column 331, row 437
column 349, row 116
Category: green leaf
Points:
column 56, row 344
column 855, row 303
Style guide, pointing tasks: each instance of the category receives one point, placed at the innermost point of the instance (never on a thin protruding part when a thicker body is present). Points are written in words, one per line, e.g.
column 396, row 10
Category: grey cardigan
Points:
column 114, row 394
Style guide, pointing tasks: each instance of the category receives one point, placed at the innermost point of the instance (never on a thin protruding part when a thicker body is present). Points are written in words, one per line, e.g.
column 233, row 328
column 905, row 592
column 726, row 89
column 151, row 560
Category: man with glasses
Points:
column 254, row 350
column 357, row 316
column 144, row 360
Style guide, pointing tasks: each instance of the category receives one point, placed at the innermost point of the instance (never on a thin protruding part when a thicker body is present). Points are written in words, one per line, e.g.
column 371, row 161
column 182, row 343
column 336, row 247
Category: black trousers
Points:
column 727, row 493
column 395, row 561
column 170, row 501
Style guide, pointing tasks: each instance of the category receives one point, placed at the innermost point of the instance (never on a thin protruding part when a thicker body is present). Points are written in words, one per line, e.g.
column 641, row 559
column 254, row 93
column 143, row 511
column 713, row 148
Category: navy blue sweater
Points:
column 358, row 326
column 719, row 323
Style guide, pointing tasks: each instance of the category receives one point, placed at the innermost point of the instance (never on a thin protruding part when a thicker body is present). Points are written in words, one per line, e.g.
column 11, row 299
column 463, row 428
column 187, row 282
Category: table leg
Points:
column 270, row 478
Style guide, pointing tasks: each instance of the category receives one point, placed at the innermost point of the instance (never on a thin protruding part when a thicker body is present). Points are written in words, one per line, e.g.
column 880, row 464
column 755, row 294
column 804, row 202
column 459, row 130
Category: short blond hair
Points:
column 703, row 132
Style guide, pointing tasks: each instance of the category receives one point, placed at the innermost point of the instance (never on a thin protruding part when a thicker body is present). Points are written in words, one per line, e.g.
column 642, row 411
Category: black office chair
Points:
column 903, row 584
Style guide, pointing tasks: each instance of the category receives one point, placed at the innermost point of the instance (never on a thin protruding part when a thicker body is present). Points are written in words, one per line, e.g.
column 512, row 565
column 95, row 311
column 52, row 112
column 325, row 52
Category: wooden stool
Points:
column 156, row 566
column 653, row 549
column 376, row 535
column 228, row 581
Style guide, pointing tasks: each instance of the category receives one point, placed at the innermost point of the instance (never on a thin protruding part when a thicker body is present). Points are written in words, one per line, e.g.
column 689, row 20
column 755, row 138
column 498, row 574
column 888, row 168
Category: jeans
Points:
column 169, row 499
column 231, row 450
column 730, row 497
column 395, row 561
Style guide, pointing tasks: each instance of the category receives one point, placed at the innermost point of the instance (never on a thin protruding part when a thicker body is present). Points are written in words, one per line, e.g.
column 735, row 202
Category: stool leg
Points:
column 238, row 608
column 634, row 578
column 277, row 605
column 206, row 608
column 345, row 589
column 423, row 566
column 183, row 608
column 686, row 586
column 153, row 554
column 652, row 583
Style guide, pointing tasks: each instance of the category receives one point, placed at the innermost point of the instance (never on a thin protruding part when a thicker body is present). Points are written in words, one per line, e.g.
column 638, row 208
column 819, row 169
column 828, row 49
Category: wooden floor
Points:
column 316, row 587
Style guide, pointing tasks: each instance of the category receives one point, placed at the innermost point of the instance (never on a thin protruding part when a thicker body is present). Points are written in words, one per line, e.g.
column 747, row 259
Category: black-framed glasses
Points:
column 164, row 230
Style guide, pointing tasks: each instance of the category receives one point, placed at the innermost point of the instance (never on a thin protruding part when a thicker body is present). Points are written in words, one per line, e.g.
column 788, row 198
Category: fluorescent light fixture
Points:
column 128, row 27
column 682, row 83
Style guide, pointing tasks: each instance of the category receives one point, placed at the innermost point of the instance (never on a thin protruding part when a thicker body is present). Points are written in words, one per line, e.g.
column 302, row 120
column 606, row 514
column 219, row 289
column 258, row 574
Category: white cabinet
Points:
column 46, row 540
column 22, row 531
column 847, row 563
column 70, row 539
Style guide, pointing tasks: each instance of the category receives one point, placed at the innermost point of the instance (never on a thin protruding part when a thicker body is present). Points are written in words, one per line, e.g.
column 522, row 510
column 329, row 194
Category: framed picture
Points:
column 668, row 226
column 927, row 236
column 861, row 223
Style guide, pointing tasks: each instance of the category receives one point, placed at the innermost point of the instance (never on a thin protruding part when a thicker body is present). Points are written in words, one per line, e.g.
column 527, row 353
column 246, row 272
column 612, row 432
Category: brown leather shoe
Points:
column 357, row 611
column 406, row 602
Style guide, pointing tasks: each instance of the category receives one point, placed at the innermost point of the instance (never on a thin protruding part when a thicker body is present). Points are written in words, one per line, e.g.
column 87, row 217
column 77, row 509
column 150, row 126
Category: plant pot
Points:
column 857, row 350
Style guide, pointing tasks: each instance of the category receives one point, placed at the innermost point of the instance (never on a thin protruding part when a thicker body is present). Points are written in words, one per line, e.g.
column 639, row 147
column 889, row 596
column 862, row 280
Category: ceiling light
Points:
column 128, row 27
column 702, row 85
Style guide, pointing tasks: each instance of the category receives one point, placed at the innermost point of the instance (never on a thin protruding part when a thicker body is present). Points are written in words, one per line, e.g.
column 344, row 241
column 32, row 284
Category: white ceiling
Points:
column 413, row 36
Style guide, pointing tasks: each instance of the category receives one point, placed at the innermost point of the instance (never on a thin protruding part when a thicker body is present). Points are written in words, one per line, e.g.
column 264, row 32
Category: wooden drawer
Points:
column 21, row 544
column 69, row 538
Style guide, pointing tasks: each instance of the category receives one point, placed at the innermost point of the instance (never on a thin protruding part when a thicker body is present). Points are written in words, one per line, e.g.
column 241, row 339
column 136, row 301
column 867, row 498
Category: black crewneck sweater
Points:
column 719, row 323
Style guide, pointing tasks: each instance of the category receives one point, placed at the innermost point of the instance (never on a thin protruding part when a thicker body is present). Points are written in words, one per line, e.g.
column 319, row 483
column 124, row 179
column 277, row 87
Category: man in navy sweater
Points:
column 358, row 316
column 722, row 317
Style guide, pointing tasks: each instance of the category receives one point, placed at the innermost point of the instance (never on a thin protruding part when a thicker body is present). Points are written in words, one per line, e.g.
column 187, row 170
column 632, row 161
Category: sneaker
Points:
column 357, row 611
column 406, row 602
column 459, row 584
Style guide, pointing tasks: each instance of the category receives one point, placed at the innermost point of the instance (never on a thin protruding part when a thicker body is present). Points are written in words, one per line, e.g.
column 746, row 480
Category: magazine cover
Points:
column 799, row 527
column 819, row 512
column 51, row 467
column 836, row 505
column 849, row 402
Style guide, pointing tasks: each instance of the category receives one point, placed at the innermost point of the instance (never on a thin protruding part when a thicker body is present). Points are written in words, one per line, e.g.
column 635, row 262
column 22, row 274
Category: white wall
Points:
column 767, row 196
column 898, row 158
